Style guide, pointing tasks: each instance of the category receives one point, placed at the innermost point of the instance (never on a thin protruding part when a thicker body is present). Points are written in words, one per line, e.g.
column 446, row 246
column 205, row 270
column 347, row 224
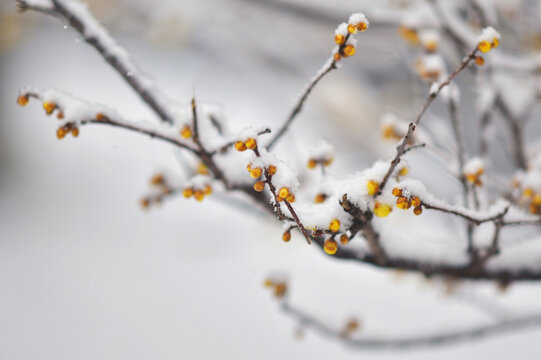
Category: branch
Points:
column 94, row 34
column 411, row 128
column 472, row 219
column 446, row 338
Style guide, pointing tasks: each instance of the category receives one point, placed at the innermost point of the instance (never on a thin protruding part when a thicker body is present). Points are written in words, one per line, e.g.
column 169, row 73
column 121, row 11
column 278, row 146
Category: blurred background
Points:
column 86, row 273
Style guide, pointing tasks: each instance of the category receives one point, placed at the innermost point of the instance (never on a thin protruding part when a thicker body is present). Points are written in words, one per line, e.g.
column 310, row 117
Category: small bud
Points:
column 240, row 146
column 397, row 192
column 362, row 26
column 337, row 57
column 186, row 132
column 403, row 203
column 328, row 161
column 145, row 203
column 312, row 163
column 61, row 133
column 320, row 198
column 188, row 192
column 344, row 239
column 339, row 39
column 495, row 42
column 403, row 172
column 334, row 225
column 199, row 195
column 279, row 198
column 330, row 246
column 75, row 132
column 268, row 282
column 283, row 192
column 60, row 115
column 100, row 117
column 479, row 60
column 22, row 100
column 286, row 236
column 251, row 143
column 272, row 170
column 352, row 29
column 415, row 201
column 484, row 46
column 418, row 210
column 49, row 107
column 349, row 50
column 208, row 190
column 280, row 290
column 290, row 198
column 259, row 186
column 256, row 172
column 202, row 169
column 528, row 192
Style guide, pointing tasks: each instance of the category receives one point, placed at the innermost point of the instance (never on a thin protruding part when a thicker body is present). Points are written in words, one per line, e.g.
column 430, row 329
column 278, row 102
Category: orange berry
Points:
column 337, row 56
column 352, row 29
column 328, row 161
column 362, row 26
column 334, row 225
column 61, row 133
column 339, row 39
column 280, row 290
column 198, row 195
column 479, row 60
column 330, row 246
column 186, row 132
column 344, row 239
column 256, row 172
column 157, row 179
column 22, row 100
column 349, row 50
column 60, row 115
column 320, row 198
column 290, row 198
column 75, row 132
column 208, row 189
column 537, row 199
column 259, row 186
column 240, row 146
column 49, row 107
column 188, row 192
column 100, row 117
column 272, row 170
column 312, row 163
column 283, row 192
column 286, row 236
column 418, row 210
column 251, row 143
column 415, row 201
column 397, row 192
column 279, row 198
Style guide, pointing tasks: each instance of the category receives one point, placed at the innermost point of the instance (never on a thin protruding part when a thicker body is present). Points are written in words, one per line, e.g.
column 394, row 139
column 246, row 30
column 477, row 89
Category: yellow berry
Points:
column 397, row 192
column 484, row 46
column 479, row 60
column 75, row 132
column 349, row 50
column 198, row 195
column 268, row 283
column 202, row 169
column 290, row 198
column 372, row 186
column 382, row 210
column 22, row 100
column 272, row 170
column 283, row 192
column 352, row 29
column 339, row 39
column 188, row 192
column 403, row 203
column 330, row 246
column 387, row 131
column 312, row 163
column 259, row 186
column 528, row 192
column 471, row 178
column 320, row 198
column 418, row 210
column 286, row 236
column 186, row 132
column 537, row 199
column 251, row 143
column 60, row 133
column 256, row 172
column 415, row 201
column 208, row 189
column 49, row 107
column 403, row 172
column 344, row 239
column 334, row 225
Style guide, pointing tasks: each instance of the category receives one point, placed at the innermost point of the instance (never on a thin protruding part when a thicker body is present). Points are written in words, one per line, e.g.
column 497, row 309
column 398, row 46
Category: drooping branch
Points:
column 78, row 16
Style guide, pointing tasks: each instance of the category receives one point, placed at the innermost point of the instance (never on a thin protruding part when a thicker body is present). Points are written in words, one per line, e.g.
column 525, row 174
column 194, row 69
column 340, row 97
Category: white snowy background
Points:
column 85, row 273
